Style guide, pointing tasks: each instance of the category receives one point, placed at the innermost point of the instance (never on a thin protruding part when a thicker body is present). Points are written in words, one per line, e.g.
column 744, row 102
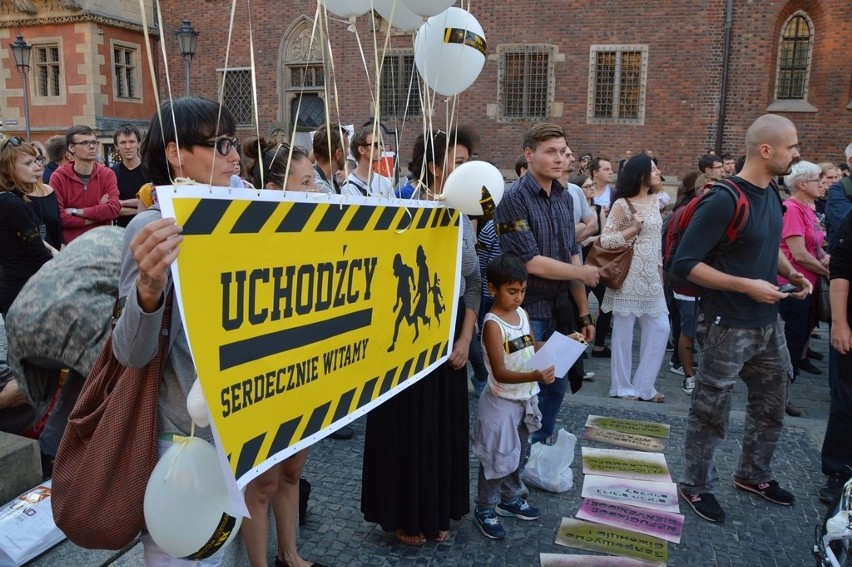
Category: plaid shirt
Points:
column 532, row 223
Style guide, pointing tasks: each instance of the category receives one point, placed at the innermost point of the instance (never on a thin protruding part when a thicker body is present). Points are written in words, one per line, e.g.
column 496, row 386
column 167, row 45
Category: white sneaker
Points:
column 688, row 385
column 677, row 370
column 588, row 375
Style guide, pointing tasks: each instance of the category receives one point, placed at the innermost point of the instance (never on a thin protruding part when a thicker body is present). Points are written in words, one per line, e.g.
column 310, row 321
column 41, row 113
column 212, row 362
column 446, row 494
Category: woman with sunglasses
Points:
column 279, row 486
column 416, row 474
column 22, row 250
column 206, row 154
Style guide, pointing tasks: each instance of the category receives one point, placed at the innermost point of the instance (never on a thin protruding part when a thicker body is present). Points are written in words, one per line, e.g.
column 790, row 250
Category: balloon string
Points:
column 327, row 106
column 254, row 96
column 353, row 27
column 222, row 86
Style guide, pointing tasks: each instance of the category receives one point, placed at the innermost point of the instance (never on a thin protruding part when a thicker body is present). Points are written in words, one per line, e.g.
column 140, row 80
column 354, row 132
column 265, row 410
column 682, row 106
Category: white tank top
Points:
column 518, row 348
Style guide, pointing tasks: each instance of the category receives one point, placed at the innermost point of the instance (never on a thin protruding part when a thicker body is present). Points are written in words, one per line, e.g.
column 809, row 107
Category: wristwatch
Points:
column 73, row 212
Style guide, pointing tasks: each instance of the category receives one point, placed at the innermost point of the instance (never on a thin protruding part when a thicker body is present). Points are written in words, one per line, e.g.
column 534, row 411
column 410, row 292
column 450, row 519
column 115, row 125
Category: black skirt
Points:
column 416, row 459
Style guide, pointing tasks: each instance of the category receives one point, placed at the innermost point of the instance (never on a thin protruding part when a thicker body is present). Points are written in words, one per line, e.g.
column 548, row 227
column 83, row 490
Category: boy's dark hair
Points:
column 56, row 148
column 506, row 268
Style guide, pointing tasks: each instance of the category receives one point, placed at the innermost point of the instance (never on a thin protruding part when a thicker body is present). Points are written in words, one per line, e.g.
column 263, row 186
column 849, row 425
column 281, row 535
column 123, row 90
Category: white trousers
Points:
column 652, row 350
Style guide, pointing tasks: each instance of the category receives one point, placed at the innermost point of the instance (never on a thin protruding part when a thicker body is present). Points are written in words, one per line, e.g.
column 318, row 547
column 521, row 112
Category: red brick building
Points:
column 619, row 75
column 88, row 66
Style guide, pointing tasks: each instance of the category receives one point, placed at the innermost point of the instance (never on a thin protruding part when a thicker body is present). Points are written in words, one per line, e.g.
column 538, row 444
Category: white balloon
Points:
column 347, row 8
column 403, row 18
column 187, row 509
column 428, row 8
column 450, row 62
column 474, row 188
column 196, row 405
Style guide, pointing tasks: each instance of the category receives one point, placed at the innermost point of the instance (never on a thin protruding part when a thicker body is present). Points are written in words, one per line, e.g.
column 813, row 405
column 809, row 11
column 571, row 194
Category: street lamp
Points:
column 186, row 36
column 22, row 51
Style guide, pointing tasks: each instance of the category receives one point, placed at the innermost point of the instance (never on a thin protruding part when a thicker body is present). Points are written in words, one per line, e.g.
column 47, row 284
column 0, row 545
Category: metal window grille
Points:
column 47, row 70
column 237, row 95
column 794, row 57
column 307, row 76
column 524, row 84
column 399, row 92
column 125, row 72
column 618, row 84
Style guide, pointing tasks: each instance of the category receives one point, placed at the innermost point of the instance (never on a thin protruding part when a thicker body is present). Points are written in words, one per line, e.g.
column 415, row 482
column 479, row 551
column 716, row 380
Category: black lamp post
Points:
column 186, row 36
column 22, row 51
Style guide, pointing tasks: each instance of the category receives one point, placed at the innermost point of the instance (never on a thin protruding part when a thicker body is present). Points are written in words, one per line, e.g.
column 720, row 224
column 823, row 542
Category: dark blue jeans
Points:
column 836, row 451
column 551, row 395
column 796, row 327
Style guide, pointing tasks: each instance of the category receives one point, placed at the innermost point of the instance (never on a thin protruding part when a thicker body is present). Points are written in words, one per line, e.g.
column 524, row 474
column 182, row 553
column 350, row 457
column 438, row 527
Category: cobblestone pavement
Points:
column 756, row 533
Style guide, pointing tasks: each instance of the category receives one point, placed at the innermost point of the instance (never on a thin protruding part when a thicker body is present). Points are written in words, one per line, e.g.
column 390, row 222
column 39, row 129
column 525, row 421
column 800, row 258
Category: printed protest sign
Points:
column 664, row 525
column 616, row 541
column 626, row 464
column 304, row 311
column 626, row 440
column 565, row 560
column 648, row 428
column 640, row 493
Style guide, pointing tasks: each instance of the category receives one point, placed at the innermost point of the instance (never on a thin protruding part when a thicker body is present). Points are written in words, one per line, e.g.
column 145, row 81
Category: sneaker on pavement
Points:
column 833, row 485
column 705, row 505
column 488, row 523
column 520, row 509
column 688, row 385
column 769, row 490
column 588, row 376
column 670, row 346
column 677, row 370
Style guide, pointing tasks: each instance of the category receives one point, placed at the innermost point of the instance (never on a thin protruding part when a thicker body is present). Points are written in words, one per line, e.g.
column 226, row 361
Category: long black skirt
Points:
column 416, row 462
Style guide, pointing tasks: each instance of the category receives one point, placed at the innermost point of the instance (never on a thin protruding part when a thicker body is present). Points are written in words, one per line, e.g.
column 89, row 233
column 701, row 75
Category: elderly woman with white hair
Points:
column 801, row 242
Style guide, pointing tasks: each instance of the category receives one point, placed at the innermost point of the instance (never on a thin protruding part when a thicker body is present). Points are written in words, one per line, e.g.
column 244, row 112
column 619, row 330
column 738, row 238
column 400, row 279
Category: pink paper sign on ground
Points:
column 564, row 560
column 640, row 493
column 663, row 525
column 626, row 464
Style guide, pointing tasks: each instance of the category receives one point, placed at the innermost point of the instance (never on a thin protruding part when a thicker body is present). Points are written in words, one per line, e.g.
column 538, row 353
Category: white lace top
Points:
column 642, row 290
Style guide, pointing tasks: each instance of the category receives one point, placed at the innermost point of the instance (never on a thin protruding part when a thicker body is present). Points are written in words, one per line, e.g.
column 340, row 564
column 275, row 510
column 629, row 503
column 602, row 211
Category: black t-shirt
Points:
column 754, row 255
column 129, row 183
column 841, row 258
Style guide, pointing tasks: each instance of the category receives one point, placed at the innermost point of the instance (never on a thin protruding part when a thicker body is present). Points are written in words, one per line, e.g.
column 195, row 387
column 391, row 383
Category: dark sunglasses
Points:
column 223, row 145
column 14, row 140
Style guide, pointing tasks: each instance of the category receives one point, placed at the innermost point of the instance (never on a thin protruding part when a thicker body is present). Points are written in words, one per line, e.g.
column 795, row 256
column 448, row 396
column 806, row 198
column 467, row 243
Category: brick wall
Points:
column 685, row 44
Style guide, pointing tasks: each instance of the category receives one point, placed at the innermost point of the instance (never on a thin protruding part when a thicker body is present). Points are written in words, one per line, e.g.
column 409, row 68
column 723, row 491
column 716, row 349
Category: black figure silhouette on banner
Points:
column 422, row 288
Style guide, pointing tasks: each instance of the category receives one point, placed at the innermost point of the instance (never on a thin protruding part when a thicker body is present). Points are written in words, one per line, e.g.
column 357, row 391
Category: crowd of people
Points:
column 747, row 312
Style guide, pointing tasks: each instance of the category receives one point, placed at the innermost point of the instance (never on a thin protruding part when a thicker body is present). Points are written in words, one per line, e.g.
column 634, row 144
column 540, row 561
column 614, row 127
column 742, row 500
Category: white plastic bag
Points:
column 549, row 466
column 26, row 527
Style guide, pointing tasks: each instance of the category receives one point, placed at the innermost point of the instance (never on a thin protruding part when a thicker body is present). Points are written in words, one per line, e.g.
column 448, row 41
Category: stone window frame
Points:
column 136, row 71
column 552, row 51
column 222, row 75
column 619, row 50
column 36, row 98
column 793, row 104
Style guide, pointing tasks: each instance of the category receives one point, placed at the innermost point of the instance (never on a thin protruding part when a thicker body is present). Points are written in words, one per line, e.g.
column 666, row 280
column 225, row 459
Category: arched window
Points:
column 794, row 58
column 301, row 80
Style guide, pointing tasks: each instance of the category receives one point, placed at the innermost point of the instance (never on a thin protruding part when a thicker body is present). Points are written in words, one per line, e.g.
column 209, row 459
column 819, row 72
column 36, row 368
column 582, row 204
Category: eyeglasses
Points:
column 377, row 145
column 14, row 140
column 88, row 143
column 588, row 186
column 223, row 145
column 812, row 180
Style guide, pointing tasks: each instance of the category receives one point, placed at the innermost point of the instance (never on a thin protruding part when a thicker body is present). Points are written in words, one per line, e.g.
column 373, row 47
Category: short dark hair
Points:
column 687, row 190
column 197, row 119
column 541, row 132
column 321, row 147
column 595, row 165
column 272, row 160
column 359, row 140
column 126, row 130
column 76, row 131
column 707, row 160
column 506, row 268
column 433, row 152
column 520, row 164
column 578, row 179
column 727, row 157
column 635, row 173
column 738, row 167
column 56, row 147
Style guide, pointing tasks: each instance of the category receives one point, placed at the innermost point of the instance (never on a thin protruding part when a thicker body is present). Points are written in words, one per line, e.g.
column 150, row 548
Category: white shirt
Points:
column 380, row 186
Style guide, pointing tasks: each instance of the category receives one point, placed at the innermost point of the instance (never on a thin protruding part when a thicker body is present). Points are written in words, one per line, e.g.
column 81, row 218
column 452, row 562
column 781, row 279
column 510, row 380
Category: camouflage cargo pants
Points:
column 758, row 356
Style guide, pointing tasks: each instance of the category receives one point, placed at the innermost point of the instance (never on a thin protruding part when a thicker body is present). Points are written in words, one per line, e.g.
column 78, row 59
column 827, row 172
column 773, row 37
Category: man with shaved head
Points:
column 741, row 333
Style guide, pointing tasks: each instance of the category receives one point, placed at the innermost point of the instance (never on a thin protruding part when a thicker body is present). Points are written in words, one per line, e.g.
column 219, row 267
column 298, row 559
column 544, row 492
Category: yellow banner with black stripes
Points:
column 304, row 311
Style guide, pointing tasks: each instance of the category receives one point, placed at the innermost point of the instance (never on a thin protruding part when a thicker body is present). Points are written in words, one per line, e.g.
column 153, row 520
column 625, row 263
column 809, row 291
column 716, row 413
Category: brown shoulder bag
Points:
column 612, row 264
